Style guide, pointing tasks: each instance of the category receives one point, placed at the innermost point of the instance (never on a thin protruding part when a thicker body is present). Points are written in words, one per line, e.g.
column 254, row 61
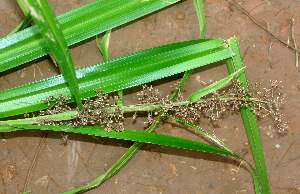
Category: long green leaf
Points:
column 140, row 136
column 26, row 22
column 114, row 75
column 131, row 135
column 46, row 21
column 250, row 122
column 201, row 17
column 23, row 7
column 77, row 25
column 212, row 137
column 194, row 97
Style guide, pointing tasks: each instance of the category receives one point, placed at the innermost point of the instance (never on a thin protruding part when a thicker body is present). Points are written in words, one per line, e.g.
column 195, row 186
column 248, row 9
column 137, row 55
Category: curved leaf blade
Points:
column 103, row 48
column 194, row 97
column 45, row 19
column 26, row 22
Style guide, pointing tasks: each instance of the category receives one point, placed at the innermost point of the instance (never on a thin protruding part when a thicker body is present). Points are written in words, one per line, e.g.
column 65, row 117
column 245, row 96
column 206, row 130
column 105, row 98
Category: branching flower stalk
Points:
column 103, row 110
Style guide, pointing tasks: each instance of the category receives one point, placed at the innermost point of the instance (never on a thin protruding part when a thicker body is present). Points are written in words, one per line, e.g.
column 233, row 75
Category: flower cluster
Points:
column 104, row 111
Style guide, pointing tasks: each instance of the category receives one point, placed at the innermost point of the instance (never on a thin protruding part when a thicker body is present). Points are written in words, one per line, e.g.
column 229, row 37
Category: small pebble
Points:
column 197, row 78
column 180, row 16
column 277, row 146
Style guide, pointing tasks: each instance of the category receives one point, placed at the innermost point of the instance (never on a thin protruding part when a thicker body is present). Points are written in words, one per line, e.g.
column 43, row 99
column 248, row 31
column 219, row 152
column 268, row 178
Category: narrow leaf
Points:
column 26, row 22
column 194, row 97
column 104, row 45
column 212, row 137
column 140, row 136
column 133, row 136
column 250, row 122
column 201, row 17
column 46, row 21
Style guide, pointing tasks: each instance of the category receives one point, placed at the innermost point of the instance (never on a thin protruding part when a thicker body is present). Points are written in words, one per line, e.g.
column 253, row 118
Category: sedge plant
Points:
column 97, row 114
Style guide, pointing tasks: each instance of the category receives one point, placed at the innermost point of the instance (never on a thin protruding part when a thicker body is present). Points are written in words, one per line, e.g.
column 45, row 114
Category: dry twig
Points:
column 293, row 37
column 245, row 52
column 29, row 172
column 269, row 57
column 287, row 9
column 286, row 152
column 35, row 66
column 257, row 23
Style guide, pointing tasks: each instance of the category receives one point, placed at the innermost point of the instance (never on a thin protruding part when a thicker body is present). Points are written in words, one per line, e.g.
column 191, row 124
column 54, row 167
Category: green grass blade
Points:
column 86, row 187
column 124, row 159
column 117, row 74
column 201, row 17
column 46, row 21
column 77, row 25
column 212, row 137
column 23, row 7
column 132, row 135
column 103, row 48
column 250, row 121
column 194, row 97
column 140, row 136
column 26, row 22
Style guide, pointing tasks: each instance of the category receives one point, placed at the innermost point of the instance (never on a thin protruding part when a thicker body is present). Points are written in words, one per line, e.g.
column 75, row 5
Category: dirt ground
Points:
column 157, row 169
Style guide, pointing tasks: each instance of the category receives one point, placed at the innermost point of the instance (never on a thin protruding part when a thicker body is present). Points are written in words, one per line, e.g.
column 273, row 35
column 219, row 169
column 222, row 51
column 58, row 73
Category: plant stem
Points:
column 129, row 108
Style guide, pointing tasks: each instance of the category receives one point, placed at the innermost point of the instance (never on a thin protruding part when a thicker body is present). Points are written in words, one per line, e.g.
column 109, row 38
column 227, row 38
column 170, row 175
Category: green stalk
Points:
column 201, row 18
column 234, row 64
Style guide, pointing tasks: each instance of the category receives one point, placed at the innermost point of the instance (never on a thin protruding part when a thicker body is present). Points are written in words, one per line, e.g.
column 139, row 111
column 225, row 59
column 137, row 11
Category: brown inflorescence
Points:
column 104, row 111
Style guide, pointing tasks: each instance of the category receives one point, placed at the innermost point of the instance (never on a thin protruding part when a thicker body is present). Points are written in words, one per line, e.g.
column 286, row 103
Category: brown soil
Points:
column 158, row 169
